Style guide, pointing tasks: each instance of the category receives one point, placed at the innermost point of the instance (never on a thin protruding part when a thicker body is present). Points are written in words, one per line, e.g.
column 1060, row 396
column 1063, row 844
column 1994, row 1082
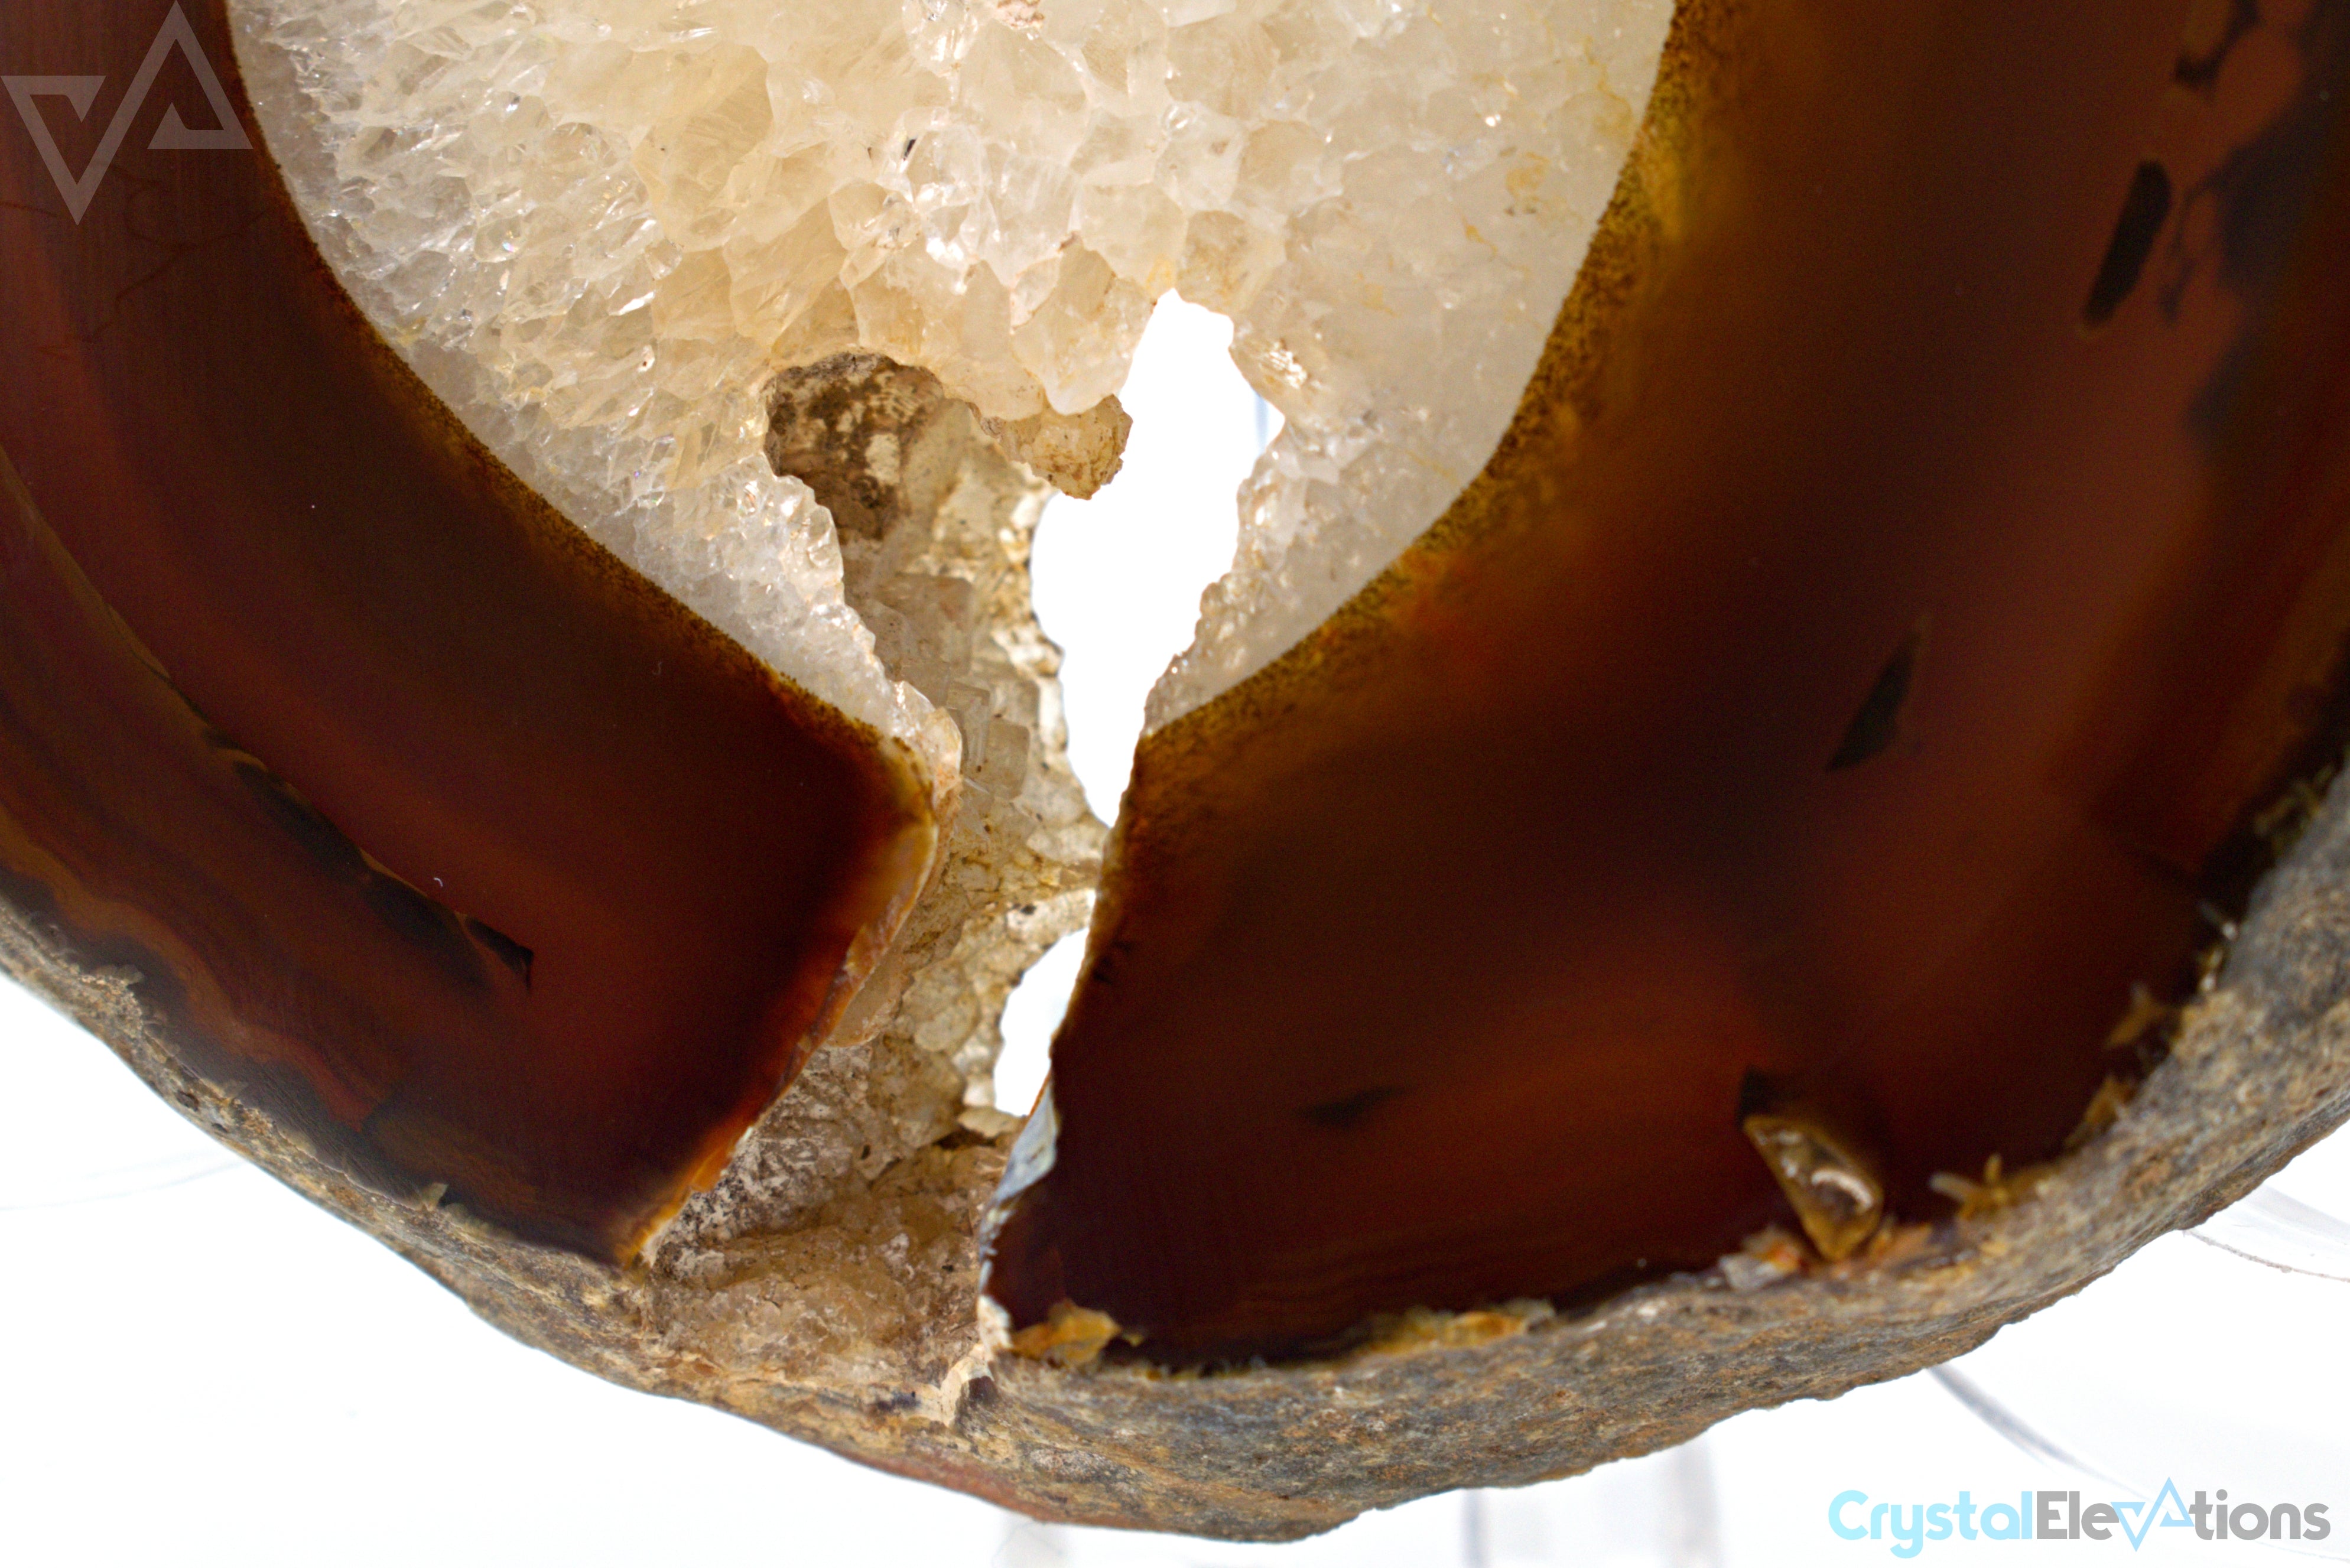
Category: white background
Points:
column 197, row 1368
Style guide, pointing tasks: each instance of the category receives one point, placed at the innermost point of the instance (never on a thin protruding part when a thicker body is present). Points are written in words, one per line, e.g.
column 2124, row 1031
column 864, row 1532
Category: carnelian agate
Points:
column 427, row 826
column 1860, row 663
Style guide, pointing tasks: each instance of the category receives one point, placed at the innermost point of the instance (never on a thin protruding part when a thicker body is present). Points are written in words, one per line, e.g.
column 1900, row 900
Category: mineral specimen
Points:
column 1876, row 706
column 598, row 226
column 1841, row 720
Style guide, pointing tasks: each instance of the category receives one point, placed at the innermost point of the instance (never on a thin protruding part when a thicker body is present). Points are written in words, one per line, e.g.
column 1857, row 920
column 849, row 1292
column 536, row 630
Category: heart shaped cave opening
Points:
column 1786, row 795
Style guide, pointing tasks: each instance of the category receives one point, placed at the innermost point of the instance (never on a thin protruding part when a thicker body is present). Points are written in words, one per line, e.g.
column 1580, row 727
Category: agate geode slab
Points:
column 522, row 714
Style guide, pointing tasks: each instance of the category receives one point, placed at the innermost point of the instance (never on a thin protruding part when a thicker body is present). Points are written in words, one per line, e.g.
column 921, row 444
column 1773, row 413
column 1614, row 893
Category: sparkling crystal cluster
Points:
column 599, row 226
column 614, row 235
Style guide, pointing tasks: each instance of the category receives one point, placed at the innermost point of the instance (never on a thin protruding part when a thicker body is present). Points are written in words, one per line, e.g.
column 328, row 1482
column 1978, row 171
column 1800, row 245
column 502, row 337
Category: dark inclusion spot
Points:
column 321, row 840
column 2144, row 212
column 1759, row 1092
column 503, row 948
column 1340, row 1115
column 1878, row 723
column 2201, row 72
column 454, row 942
column 421, row 922
column 2262, row 195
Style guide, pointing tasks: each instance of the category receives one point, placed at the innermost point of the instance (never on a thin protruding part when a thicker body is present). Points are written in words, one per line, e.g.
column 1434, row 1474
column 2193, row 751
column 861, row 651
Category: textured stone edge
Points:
column 2261, row 1069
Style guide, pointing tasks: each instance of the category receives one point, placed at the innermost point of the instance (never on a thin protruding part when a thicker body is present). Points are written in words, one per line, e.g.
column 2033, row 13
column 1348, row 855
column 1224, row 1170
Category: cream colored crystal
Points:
column 599, row 227
column 671, row 259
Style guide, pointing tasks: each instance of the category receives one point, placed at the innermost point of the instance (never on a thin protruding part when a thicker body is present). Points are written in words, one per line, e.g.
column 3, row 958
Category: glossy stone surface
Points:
column 1866, row 662
column 836, row 1301
column 421, row 820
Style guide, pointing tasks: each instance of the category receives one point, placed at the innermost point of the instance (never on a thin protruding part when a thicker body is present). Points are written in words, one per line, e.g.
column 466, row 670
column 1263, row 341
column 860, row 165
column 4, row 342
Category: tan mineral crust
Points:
column 828, row 1286
column 827, row 467
column 844, row 1310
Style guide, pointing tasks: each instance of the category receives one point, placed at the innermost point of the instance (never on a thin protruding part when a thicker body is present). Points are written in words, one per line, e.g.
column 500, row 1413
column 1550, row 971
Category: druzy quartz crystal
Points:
column 1871, row 702
column 1385, row 199
column 1716, row 843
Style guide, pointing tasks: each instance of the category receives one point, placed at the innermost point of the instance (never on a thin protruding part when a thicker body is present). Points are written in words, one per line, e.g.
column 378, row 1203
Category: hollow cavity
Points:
column 1119, row 578
column 598, row 226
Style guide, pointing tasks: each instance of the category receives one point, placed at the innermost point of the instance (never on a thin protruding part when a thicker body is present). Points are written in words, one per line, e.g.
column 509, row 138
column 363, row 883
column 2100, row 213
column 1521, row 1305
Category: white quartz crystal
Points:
column 599, row 227
column 614, row 235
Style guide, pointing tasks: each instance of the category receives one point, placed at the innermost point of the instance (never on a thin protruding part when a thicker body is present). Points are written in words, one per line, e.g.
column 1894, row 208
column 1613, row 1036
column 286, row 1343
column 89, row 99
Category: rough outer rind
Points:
column 827, row 1287
column 2261, row 1069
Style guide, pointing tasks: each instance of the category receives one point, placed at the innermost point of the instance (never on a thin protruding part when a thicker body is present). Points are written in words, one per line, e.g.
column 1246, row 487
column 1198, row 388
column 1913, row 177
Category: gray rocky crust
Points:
column 827, row 1285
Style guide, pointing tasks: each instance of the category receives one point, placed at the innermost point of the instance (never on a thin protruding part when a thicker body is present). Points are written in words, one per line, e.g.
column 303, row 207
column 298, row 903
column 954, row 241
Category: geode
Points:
column 1699, row 859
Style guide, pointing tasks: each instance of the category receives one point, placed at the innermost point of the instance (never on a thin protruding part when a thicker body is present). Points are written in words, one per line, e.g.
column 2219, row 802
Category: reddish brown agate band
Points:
column 429, row 827
column 1924, row 554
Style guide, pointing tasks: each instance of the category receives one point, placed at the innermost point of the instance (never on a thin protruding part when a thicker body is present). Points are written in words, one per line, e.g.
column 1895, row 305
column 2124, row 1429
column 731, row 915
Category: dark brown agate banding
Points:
column 1924, row 557
column 428, row 826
